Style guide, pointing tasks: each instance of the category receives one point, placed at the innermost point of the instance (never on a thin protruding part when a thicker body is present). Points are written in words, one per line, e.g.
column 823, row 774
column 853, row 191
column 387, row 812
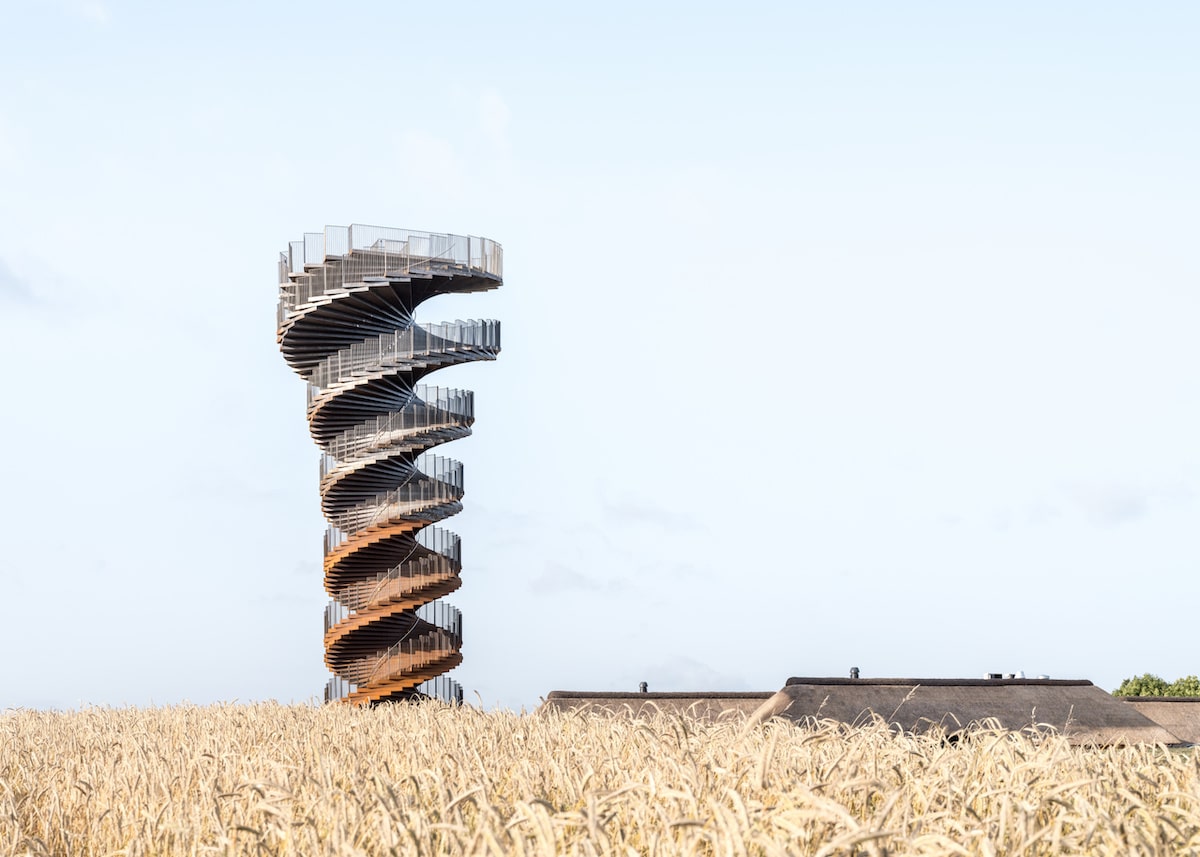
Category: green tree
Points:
column 1186, row 686
column 1142, row 685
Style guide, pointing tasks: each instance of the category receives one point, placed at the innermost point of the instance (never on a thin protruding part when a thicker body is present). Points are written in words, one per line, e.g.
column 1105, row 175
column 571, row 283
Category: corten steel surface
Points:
column 345, row 324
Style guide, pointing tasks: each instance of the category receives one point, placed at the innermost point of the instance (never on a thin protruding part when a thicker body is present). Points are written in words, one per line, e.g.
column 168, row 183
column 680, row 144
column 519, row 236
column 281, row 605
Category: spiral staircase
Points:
column 345, row 324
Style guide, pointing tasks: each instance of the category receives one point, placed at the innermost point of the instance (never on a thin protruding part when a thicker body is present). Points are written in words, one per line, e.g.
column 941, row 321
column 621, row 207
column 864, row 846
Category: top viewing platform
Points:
column 341, row 257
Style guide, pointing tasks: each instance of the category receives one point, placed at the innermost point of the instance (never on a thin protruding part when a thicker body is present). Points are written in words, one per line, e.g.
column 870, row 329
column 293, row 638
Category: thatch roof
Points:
column 707, row 706
column 1179, row 714
column 1078, row 709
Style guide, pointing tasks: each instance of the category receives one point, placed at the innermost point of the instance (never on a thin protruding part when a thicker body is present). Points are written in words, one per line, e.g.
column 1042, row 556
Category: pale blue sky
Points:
column 834, row 335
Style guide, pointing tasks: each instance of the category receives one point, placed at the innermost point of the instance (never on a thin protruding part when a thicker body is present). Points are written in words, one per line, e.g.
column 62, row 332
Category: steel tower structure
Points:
column 345, row 324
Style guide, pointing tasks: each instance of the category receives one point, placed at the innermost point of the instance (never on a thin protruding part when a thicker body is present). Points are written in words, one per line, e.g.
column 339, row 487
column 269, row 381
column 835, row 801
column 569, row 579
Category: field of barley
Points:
column 431, row 779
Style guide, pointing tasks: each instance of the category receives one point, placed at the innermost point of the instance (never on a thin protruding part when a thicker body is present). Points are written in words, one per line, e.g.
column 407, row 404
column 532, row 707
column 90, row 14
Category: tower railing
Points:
column 410, row 503
column 356, row 254
column 399, row 581
column 421, row 493
column 431, row 408
column 386, row 351
column 424, row 467
column 408, row 657
column 440, row 687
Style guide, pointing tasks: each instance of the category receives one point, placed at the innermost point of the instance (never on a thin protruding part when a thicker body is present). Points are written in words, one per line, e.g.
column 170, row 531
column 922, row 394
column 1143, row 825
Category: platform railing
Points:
column 434, row 540
column 392, row 349
column 442, row 616
column 442, row 687
column 431, row 541
column 441, row 541
column 424, row 467
column 431, row 409
column 338, row 688
column 407, row 657
column 345, row 256
column 415, row 501
column 398, row 582
column 420, row 489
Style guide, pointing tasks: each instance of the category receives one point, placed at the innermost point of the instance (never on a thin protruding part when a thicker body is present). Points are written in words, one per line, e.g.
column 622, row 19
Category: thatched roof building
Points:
column 710, row 706
column 1077, row 709
column 1179, row 714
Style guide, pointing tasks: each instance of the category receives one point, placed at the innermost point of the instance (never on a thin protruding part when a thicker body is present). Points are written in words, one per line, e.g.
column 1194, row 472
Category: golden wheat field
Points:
column 432, row 779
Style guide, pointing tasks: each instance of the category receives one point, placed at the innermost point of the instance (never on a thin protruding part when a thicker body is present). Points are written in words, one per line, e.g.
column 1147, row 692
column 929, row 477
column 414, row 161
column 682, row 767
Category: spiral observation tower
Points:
column 345, row 324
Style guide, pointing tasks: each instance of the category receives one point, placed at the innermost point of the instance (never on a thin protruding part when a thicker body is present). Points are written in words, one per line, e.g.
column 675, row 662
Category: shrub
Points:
column 1186, row 686
column 1146, row 684
column 1149, row 684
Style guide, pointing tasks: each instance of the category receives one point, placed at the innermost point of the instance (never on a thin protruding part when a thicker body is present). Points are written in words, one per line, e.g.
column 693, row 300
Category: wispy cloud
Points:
column 681, row 673
column 1110, row 505
column 280, row 599
column 558, row 579
column 629, row 510
column 14, row 290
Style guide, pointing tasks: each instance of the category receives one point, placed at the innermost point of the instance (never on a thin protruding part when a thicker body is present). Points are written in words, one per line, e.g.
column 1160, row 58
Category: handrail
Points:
column 391, row 349
column 449, row 409
column 439, row 543
column 398, row 505
column 412, row 502
column 338, row 688
column 439, row 687
column 426, row 408
column 410, row 575
column 424, row 467
column 420, row 651
column 452, row 546
column 425, row 567
column 343, row 256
